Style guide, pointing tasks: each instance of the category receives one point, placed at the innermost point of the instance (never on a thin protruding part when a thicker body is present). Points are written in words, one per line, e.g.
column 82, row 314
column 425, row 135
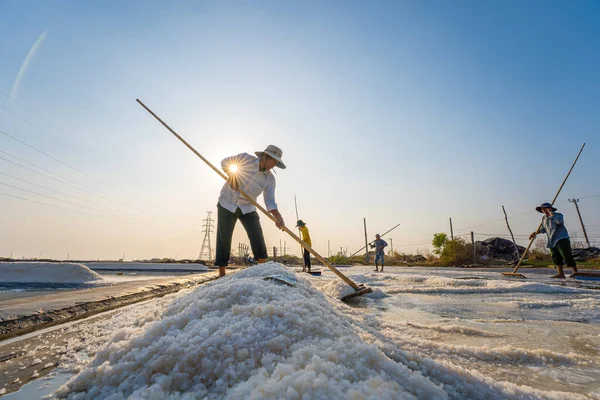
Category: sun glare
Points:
column 233, row 168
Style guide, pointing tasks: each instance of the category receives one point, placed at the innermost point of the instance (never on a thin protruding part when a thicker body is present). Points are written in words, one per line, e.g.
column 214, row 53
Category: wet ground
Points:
column 537, row 332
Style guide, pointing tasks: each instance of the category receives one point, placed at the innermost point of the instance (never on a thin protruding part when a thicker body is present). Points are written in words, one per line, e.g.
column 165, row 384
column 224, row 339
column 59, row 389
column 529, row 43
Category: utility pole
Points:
column 299, row 233
column 206, row 250
column 366, row 242
column 391, row 246
column 328, row 248
column 511, row 234
column 474, row 248
column 451, row 231
column 576, row 201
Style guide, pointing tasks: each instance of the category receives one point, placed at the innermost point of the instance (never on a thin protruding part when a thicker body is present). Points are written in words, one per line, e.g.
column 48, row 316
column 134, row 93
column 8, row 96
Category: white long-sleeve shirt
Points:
column 251, row 180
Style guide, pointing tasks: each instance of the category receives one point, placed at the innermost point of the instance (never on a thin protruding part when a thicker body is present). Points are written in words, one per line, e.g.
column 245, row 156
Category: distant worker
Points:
column 254, row 176
column 553, row 225
column 306, row 239
column 379, row 245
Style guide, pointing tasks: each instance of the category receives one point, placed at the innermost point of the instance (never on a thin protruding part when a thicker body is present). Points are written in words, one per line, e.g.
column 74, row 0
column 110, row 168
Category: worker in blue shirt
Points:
column 553, row 225
column 379, row 245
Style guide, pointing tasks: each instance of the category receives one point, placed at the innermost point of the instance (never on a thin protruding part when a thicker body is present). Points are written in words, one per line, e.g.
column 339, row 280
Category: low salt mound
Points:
column 242, row 337
column 47, row 272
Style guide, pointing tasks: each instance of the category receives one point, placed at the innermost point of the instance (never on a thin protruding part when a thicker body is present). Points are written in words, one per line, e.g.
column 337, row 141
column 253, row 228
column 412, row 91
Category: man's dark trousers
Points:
column 306, row 259
column 561, row 252
column 226, row 221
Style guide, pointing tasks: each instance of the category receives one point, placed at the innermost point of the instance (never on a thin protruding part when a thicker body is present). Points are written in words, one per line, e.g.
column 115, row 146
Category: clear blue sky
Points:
column 400, row 112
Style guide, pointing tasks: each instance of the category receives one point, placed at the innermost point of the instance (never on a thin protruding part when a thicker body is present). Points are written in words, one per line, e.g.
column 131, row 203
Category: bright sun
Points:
column 233, row 168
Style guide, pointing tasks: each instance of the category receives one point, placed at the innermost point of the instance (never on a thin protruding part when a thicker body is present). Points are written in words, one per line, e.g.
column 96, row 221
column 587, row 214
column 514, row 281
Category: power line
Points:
column 73, row 184
column 71, row 137
column 496, row 220
column 82, row 172
column 501, row 234
column 589, row 197
column 55, row 198
column 55, row 159
column 68, row 182
column 34, row 113
column 52, row 205
column 58, row 160
column 32, row 124
column 43, row 187
column 67, row 194
column 63, row 193
column 70, row 195
column 119, row 218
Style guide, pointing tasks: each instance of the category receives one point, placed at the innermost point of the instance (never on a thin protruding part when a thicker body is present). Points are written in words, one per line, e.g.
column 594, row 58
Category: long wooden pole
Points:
column 366, row 241
column 553, row 200
column 474, row 248
column 382, row 235
column 251, row 200
column 511, row 233
column 298, row 218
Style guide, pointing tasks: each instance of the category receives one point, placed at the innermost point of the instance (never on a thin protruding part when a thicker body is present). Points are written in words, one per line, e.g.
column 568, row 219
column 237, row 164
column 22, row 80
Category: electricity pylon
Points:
column 206, row 249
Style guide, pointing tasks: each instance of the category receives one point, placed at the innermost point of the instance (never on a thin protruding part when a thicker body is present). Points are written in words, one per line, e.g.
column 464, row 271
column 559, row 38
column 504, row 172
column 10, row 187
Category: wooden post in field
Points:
column 328, row 248
column 451, row 231
column 366, row 242
column 511, row 234
column 392, row 247
column 474, row 248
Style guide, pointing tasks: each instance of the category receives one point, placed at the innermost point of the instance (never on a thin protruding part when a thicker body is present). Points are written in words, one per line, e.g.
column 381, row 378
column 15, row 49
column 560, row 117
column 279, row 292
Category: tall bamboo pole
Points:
column 263, row 210
column 540, row 225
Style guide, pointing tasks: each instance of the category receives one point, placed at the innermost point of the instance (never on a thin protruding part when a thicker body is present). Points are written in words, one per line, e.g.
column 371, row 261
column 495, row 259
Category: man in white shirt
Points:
column 253, row 175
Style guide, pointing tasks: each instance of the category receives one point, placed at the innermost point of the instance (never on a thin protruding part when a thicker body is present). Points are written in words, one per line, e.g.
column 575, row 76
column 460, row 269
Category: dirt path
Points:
column 37, row 356
column 22, row 315
column 63, row 329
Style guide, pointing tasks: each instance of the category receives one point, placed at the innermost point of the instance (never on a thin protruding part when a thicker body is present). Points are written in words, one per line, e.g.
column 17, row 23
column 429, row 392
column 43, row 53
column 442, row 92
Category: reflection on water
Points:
column 40, row 388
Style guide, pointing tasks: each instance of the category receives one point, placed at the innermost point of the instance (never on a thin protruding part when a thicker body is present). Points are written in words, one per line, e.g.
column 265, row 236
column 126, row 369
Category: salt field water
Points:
column 423, row 333
column 28, row 279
